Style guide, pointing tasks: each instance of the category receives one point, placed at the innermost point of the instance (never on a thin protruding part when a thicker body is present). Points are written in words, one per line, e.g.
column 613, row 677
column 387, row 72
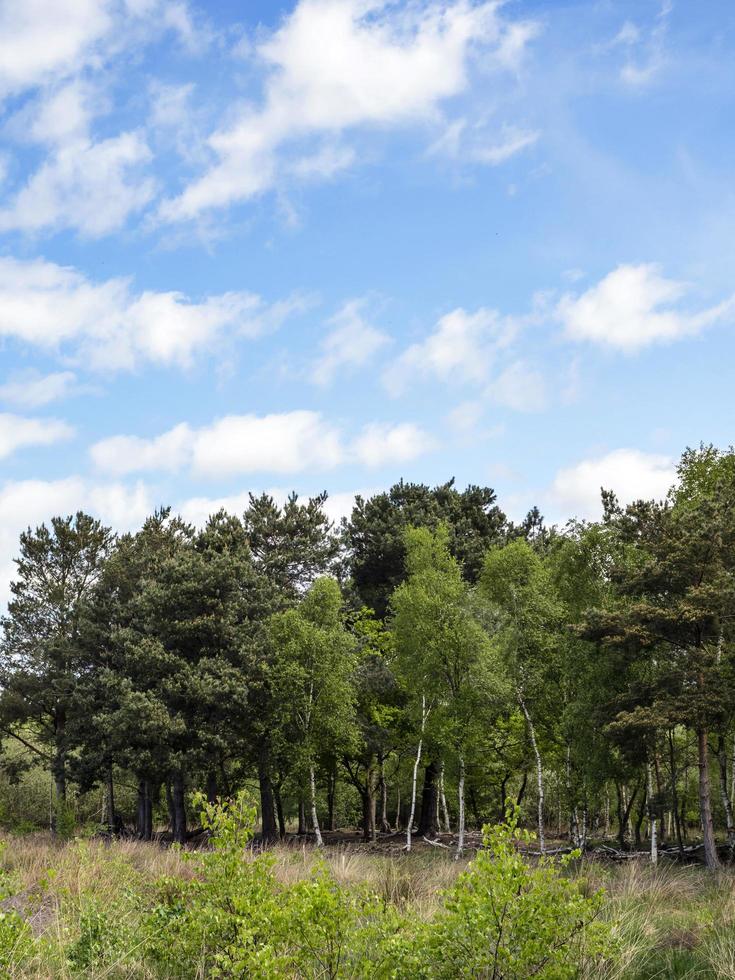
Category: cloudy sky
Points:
column 326, row 244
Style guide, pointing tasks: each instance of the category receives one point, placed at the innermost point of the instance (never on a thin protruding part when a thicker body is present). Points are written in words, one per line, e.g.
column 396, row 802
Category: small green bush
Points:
column 508, row 919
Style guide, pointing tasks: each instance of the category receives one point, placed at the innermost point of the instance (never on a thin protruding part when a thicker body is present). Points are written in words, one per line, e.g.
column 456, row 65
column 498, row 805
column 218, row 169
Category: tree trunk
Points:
column 726, row 805
column 279, row 811
column 460, row 817
column 302, row 817
column 705, row 802
column 397, row 824
column 384, row 825
column 429, row 799
column 639, row 821
column 111, row 823
column 522, row 789
column 674, row 794
column 170, row 806
column 417, row 763
column 503, row 796
column 179, row 807
column 59, row 768
column 331, row 792
column 539, row 773
column 212, row 790
column 140, row 810
column 652, row 819
column 314, row 816
column 443, row 800
column 269, row 831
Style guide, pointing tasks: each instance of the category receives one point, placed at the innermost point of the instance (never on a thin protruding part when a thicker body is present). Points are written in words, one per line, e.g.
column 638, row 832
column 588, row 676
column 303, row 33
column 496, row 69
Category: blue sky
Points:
column 327, row 244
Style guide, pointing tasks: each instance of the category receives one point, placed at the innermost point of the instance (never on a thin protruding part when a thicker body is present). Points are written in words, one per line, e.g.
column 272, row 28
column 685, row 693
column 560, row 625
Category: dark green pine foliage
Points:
column 178, row 624
column 375, row 533
column 58, row 568
column 676, row 611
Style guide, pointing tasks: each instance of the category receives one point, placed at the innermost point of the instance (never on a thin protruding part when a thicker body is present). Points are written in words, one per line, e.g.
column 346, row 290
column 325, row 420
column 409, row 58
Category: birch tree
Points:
column 527, row 614
column 313, row 660
column 442, row 645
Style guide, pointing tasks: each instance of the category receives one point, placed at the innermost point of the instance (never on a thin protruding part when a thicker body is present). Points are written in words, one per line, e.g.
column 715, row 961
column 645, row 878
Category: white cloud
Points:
column 513, row 140
column 630, row 473
column 127, row 454
column 28, row 503
column 385, row 64
column 109, row 327
column 289, row 442
column 382, row 443
column 473, row 144
column 635, row 306
column 646, row 50
column 44, row 39
column 286, row 442
column 90, row 186
column 519, row 387
column 64, row 51
column 461, row 348
column 351, row 344
column 33, row 390
column 17, row 432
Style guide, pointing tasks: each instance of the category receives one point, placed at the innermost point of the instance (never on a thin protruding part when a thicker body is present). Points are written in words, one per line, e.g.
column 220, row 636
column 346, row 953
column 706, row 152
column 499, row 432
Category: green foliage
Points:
column 64, row 819
column 507, row 918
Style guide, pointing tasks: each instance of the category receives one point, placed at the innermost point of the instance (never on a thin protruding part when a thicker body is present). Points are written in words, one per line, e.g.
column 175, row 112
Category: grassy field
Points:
column 84, row 896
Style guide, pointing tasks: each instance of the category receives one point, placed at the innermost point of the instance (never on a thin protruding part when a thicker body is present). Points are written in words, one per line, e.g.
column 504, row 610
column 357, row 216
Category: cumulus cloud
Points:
column 386, row 65
column 44, row 39
column 17, row 432
column 285, row 442
column 59, row 52
column 349, row 345
column 633, row 307
column 630, row 473
column 91, row 186
column 461, row 348
column 28, row 503
column 382, row 443
column 110, row 327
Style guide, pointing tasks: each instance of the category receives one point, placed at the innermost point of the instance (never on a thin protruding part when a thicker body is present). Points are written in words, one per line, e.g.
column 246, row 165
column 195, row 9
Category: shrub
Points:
column 507, row 918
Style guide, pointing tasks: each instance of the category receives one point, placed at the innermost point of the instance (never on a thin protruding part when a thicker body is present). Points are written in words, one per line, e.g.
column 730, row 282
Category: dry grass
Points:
column 670, row 922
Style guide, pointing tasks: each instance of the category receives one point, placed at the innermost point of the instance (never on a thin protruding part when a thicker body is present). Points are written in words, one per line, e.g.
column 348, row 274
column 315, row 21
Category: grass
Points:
column 670, row 922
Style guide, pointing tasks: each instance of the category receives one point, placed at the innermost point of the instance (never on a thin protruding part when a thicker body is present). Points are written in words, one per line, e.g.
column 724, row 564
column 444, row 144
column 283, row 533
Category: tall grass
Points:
column 669, row 922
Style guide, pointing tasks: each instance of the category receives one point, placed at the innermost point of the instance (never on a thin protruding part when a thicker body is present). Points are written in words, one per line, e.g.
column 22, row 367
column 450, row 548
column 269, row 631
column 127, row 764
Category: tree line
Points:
column 418, row 668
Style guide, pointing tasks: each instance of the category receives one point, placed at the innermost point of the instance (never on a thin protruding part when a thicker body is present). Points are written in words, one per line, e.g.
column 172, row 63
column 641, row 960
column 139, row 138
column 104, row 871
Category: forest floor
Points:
column 674, row 921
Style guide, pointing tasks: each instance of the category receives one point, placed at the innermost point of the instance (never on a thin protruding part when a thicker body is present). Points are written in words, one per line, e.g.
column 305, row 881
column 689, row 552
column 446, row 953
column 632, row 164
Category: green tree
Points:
column 312, row 665
column 527, row 621
column 676, row 609
column 57, row 570
column 442, row 646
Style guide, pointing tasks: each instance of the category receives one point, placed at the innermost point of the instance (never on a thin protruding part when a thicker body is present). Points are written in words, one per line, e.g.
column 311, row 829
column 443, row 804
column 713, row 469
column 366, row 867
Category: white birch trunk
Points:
column 652, row 822
column 460, row 818
column 417, row 761
column 726, row 805
column 539, row 773
column 314, row 817
column 443, row 800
